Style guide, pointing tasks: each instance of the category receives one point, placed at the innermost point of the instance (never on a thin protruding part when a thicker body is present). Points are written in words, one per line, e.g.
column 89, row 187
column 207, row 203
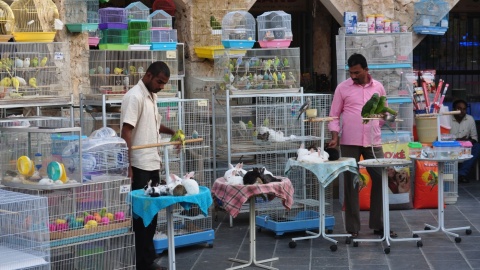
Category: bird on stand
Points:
column 304, row 107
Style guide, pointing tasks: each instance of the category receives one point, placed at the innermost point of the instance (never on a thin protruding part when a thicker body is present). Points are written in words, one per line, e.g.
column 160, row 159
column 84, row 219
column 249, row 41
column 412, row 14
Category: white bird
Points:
column 26, row 62
column 304, row 107
column 242, row 125
column 140, row 70
column 126, row 82
column 18, row 63
column 21, row 80
column 290, row 74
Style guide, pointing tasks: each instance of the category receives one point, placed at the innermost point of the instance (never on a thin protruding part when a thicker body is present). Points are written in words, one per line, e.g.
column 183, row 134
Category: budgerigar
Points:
column 15, row 83
column 370, row 107
column 276, row 62
column 18, row 63
column 195, row 134
column 275, row 78
column 21, row 80
column 100, row 70
column 266, row 122
column 290, row 74
column 238, row 63
column 117, row 71
column 6, row 82
column 250, row 124
column 44, row 61
column 140, row 69
column 107, row 70
column 284, row 77
column 304, row 107
column 242, row 125
column 179, row 136
column 34, row 62
column 32, row 82
column 126, row 82
column 132, row 69
column 382, row 108
column 285, row 62
column 26, row 62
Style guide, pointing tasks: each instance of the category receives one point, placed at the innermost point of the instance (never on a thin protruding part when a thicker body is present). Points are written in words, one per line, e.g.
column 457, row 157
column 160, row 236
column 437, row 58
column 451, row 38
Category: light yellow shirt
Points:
column 139, row 109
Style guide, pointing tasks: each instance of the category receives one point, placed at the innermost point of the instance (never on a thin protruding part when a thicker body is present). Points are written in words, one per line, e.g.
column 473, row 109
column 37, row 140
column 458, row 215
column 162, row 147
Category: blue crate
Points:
column 304, row 221
column 164, row 46
column 186, row 240
column 238, row 44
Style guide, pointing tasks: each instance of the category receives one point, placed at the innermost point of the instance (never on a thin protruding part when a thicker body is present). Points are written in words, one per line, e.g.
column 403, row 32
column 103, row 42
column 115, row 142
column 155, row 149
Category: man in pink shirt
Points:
column 355, row 140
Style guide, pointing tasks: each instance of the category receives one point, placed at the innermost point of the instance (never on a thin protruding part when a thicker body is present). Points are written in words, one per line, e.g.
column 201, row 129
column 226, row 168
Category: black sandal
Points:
column 380, row 232
column 353, row 234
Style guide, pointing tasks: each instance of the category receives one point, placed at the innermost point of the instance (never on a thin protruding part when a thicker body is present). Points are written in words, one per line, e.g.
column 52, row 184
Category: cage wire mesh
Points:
column 84, row 213
column 7, row 22
column 192, row 116
column 114, row 72
column 24, row 240
column 238, row 25
column 450, row 182
column 430, row 13
column 33, row 16
column 112, row 17
column 160, row 20
column 35, row 71
column 81, row 11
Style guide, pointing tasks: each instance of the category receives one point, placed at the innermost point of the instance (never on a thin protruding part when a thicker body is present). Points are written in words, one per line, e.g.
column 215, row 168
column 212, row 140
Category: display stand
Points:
column 384, row 163
column 142, row 202
column 234, row 196
column 441, row 214
column 325, row 172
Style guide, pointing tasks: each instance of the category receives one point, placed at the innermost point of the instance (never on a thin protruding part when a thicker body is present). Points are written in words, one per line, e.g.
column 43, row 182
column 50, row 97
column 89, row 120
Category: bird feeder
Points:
column 35, row 21
column 81, row 15
column 238, row 30
column 274, row 29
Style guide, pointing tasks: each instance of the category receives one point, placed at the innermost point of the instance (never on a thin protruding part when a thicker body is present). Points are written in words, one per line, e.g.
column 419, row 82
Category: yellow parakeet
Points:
column 16, row 83
column 33, row 82
column 6, row 82
column 44, row 61
column 132, row 69
column 118, row 71
column 179, row 136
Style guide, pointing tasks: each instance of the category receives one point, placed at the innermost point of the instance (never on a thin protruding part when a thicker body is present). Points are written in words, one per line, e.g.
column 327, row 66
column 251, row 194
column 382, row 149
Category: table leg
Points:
column 386, row 220
column 253, row 248
column 321, row 227
column 171, row 238
column 441, row 214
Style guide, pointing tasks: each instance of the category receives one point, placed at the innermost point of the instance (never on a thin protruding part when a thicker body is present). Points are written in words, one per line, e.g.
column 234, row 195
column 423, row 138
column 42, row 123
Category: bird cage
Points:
column 431, row 17
column 35, row 21
column 94, row 37
column 24, row 237
column 274, row 29
column 81, row 15
column 137, row 11
column 160, row 20
column 114, row 39
column 7, row 22
column 163, row 40
column 238, row 30
column 112, row 18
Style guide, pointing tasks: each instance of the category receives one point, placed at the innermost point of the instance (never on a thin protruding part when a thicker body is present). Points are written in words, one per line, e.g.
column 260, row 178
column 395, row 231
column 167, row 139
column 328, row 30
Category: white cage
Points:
column 274, row 29
column 192, row 116
column 160, row 20
column 450, row 182
column 238, row 30
column 81, row 15
column 30, row 17
column 24, row 241
column 137, row 11
column 35, row 71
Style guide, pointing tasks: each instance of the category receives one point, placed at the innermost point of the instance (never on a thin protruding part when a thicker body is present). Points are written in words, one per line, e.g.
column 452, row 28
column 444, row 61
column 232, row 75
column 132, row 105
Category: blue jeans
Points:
column 465, row 167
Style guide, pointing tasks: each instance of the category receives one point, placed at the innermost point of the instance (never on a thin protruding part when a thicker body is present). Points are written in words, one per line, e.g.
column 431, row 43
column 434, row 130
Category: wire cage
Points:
column 108, row 253
column 108, row 70
column 137, row 11
column 165, row 40
column 24, row 241
column 39, row 71
column 274, row 29
column 259, row 71
column 112, row 18
column 160, row 20
column 113, row 39
column 431, row 17
column 35, row 23
column 7, row 22
column 94, row 37
column 238, row 30
column 450, row 182
column 30, row 158
column 81, row 15
column 193, row 117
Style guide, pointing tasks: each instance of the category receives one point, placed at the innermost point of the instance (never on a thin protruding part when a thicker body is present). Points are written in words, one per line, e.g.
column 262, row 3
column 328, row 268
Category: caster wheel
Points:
column 333, row 247
column 415, row 235
column 458, row 239
column 348, row 240
column 329, row 231
column 419, row 244
column 387, row 250
column 355, row 244
column 468, row 231
column 292, row 244
column 427, row 228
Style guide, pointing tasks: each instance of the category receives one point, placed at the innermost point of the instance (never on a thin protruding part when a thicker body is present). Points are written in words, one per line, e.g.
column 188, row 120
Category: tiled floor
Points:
column 438, row 252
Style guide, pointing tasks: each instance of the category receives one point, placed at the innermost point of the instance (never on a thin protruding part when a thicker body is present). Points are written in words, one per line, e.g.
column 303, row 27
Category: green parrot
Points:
column 370, row 107
column 179, row 136
column 381, row 108
column 34, row 62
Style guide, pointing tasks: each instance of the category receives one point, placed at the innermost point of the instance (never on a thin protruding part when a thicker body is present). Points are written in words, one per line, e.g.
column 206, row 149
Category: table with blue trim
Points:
column 147, row 207
column 325, row 172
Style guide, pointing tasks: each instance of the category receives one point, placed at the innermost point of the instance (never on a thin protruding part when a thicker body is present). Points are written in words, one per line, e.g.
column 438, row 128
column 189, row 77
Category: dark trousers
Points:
column 144, row 249
column 465, row 167
column 351, row 201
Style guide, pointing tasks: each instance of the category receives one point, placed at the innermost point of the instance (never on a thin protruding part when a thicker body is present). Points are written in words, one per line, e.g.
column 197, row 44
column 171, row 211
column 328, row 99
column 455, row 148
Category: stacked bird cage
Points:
column 431, row 17
column 35, row 22
column 81, row 15
column 192, row 116
column 238, row 30
column 7, row 22
column 24, row 240
column 94, row 38
column 113, row 23
column 160, row 20
column 274, row 29
column 94, row 213
column 160, row 40
column 37, row 71
column 137, row 17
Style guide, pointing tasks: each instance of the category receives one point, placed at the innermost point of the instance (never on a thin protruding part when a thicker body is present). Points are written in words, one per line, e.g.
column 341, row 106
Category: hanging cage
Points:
column 238, row 30
column 274, row 29
column 7, row 21
column 35, row 20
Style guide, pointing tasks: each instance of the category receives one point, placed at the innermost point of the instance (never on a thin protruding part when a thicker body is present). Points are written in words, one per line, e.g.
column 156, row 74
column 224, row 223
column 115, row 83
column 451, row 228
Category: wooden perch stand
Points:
column 165, row 144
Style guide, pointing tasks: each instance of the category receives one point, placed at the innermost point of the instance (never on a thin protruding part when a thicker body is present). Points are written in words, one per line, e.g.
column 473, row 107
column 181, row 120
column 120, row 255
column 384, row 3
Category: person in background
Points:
column 355, row 140
column 464, row 128
column 141, row 124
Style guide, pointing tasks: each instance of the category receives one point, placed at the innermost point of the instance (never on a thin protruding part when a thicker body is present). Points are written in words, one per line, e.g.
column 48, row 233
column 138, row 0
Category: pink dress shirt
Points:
column 347, row 103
